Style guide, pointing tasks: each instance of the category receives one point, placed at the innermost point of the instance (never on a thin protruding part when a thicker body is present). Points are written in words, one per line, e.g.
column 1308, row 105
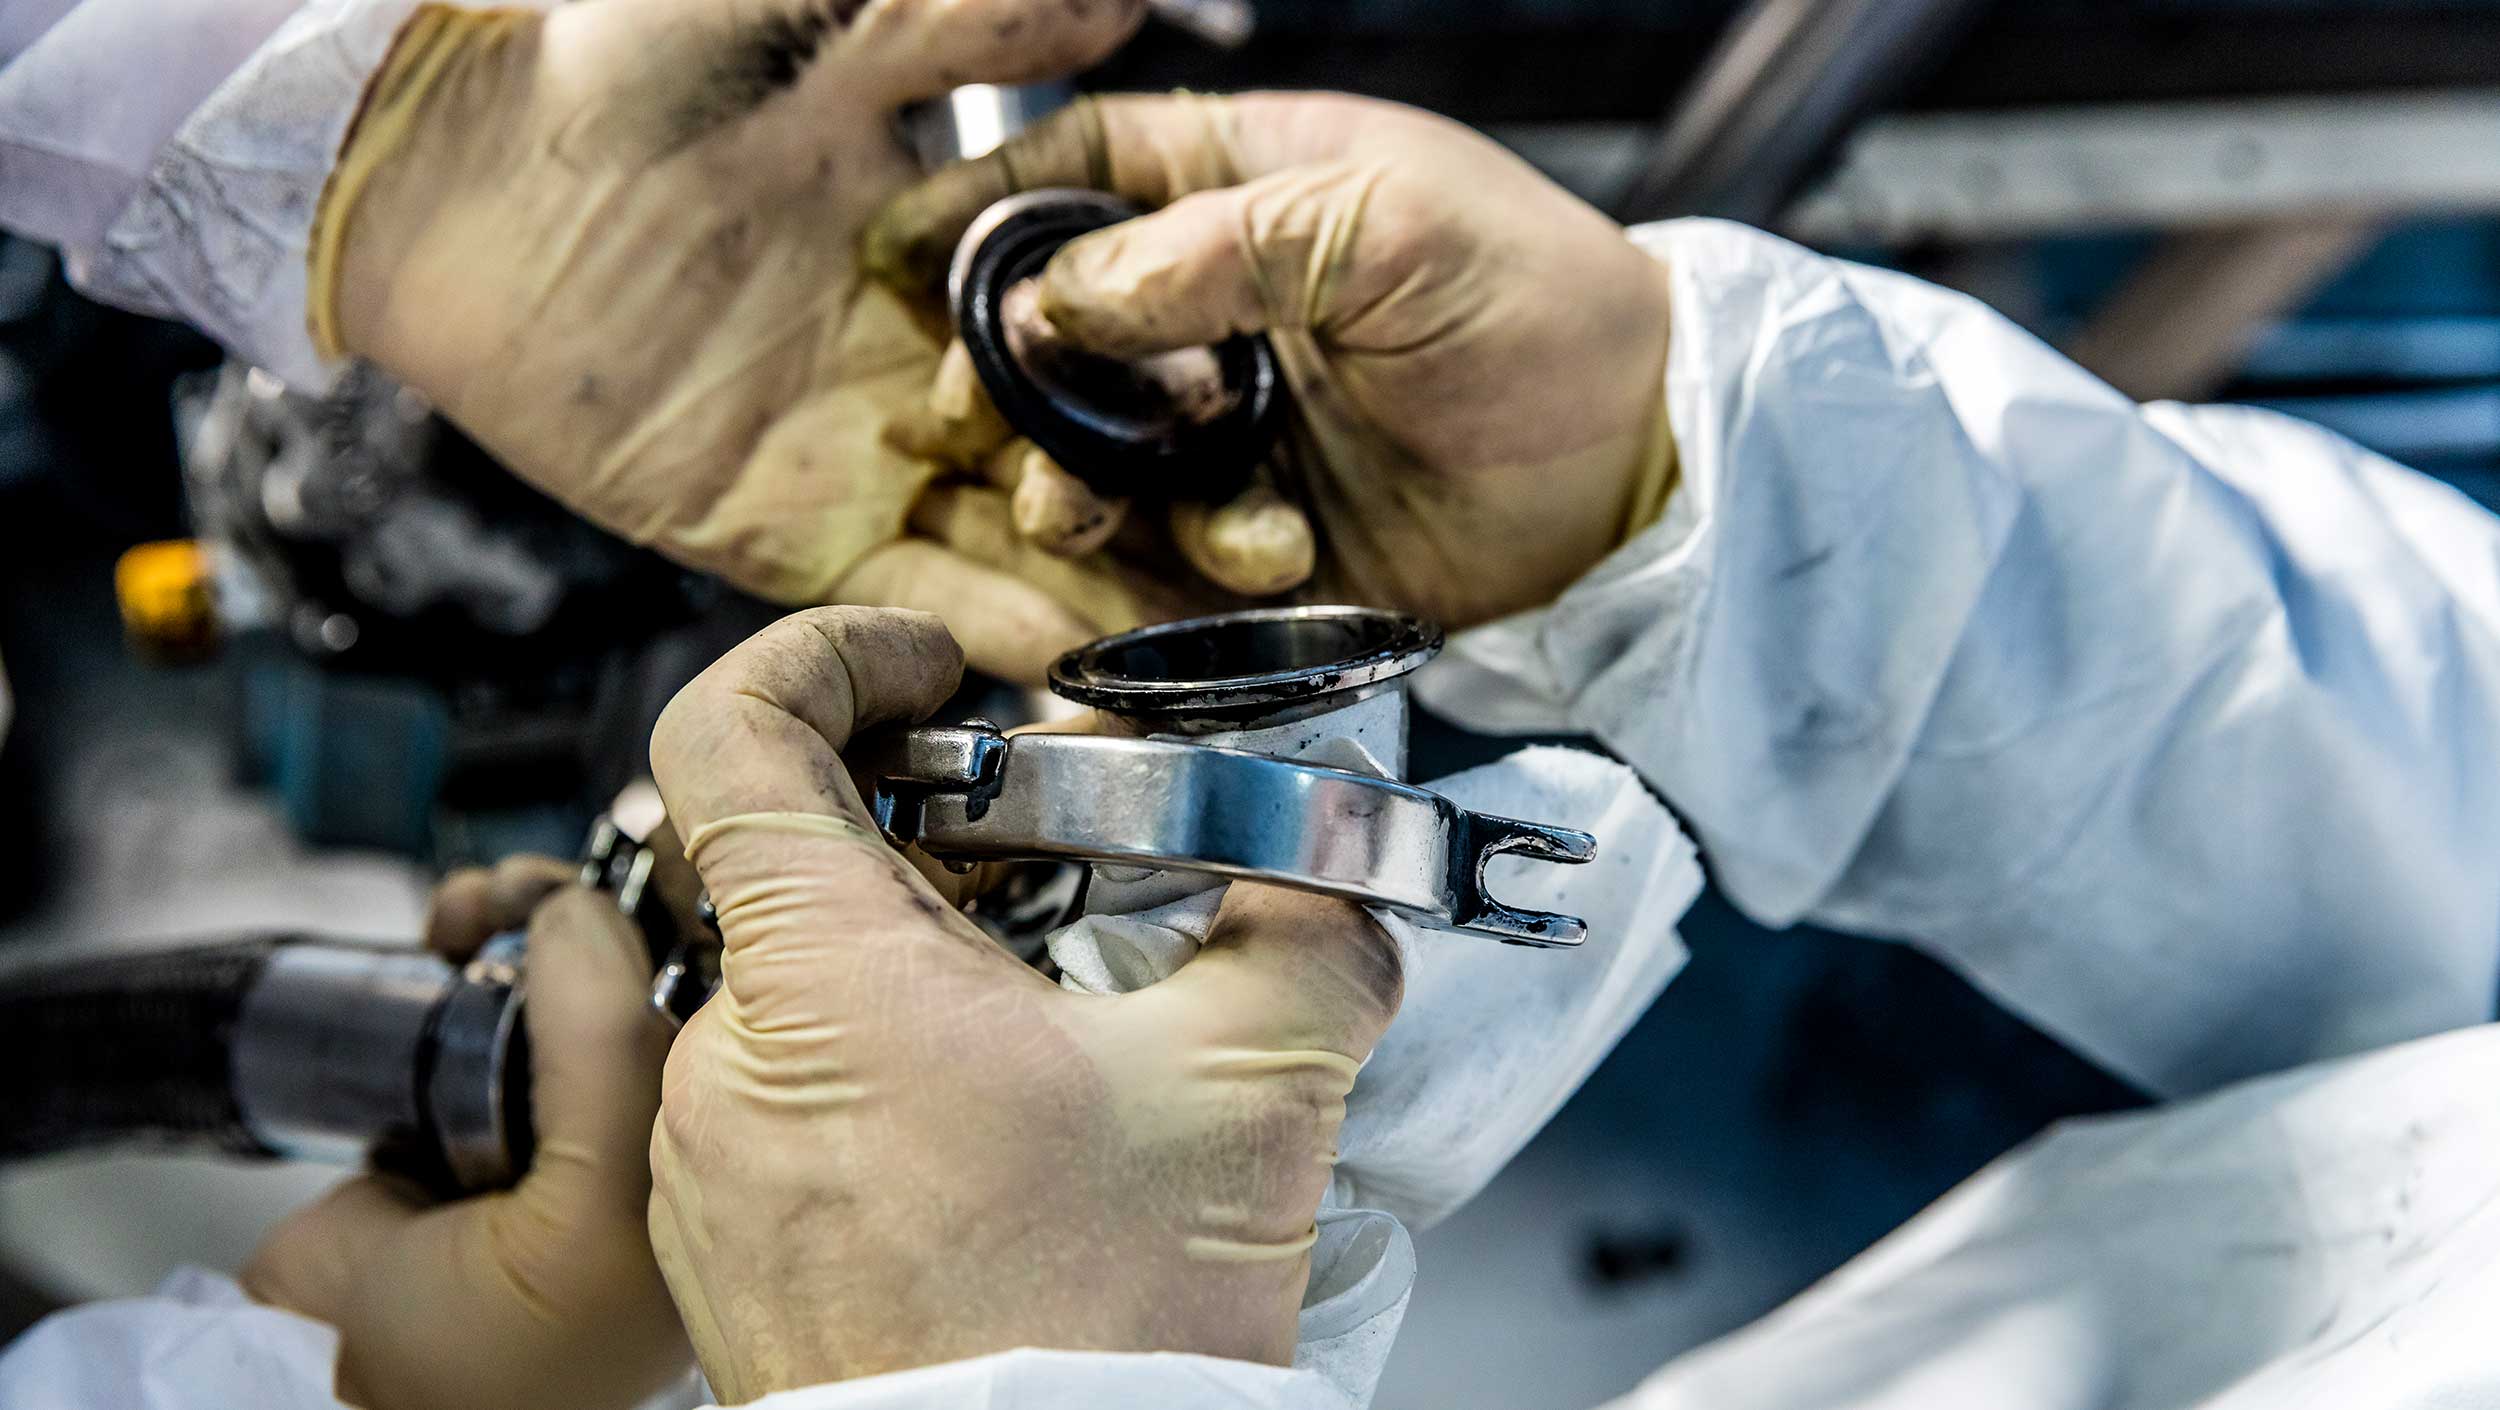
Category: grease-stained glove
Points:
column 886, row 1143
column 544, row 1294
column 615, row 243
column 1477, row 358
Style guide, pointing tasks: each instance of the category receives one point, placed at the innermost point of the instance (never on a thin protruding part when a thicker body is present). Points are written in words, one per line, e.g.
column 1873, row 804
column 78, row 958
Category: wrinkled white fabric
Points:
column 1073, row 1380
column 177, row 153
column 198, row 1344
column 91, row 90
column 2328, row 1237
column 2173, row 728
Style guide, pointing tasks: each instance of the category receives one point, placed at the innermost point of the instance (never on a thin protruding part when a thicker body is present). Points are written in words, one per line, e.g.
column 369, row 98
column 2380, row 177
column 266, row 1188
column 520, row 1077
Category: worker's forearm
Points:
column 91, row 91
column 177, row 157
column 2173, row 729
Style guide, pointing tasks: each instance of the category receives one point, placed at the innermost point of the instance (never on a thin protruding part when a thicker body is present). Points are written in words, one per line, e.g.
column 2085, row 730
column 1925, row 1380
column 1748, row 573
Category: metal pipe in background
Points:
column 1787, row 83
column 287, row 1045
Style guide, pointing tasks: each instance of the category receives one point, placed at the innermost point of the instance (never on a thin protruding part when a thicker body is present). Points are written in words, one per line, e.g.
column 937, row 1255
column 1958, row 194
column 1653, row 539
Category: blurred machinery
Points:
column 430, row 651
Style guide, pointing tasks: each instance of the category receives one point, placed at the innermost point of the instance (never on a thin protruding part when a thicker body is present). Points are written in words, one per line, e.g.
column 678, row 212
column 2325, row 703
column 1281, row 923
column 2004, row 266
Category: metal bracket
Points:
column 913, row 765
column 968, row 793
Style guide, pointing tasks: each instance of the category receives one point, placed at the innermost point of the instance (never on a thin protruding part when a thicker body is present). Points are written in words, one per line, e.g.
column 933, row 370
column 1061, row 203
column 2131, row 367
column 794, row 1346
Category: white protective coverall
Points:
column 2171, row 727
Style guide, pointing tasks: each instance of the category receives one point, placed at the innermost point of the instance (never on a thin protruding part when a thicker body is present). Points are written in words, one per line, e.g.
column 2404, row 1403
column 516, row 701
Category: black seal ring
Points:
column 1211, row 460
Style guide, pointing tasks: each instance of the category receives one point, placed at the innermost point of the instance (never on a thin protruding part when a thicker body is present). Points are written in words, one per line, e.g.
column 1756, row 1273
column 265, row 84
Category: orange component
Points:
column 168, row 598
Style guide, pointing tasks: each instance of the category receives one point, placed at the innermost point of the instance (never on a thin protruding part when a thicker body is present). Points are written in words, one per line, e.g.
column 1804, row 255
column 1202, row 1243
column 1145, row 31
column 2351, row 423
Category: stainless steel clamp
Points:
column 1198, row 785
column 969, row 793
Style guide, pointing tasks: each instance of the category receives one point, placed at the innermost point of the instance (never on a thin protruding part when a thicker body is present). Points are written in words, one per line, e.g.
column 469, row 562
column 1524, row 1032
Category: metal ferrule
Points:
column 327, row 1046
column 342, row 1050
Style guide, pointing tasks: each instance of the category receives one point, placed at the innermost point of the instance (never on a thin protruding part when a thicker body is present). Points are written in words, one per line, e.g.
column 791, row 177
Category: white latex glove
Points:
column 1474, row 354
column 886, row 1143
column 542, row 1295
column 615, row 244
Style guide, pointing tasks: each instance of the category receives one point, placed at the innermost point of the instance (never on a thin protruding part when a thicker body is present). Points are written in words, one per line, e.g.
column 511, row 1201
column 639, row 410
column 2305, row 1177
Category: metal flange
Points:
column 970, row 793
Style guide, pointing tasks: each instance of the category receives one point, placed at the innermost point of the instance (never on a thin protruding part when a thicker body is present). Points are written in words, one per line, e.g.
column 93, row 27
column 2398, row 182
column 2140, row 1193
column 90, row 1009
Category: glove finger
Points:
column 899, row 51
column 1147, row 148
column 826, row 930
column 1008, row 628
column 1259, row 544
column 762, row 729
column 309, row 1262
column 956, row 424
column 1288, row 971
column 978, row 524
column 476, row 904
column 1058, row 513
column 572, row 1239
column 595, row 1055
column 1272, row 253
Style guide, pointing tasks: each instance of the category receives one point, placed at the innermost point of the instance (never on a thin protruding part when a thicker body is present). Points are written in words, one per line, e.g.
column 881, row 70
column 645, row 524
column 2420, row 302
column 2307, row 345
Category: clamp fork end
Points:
column 1482, row 837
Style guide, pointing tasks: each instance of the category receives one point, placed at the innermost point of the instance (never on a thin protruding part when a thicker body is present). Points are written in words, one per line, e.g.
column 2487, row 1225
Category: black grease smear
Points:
column 762, row 59
column 931, row 909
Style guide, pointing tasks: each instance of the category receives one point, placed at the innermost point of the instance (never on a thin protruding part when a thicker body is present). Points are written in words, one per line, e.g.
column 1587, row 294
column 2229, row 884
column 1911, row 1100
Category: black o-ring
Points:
column 1210, row 460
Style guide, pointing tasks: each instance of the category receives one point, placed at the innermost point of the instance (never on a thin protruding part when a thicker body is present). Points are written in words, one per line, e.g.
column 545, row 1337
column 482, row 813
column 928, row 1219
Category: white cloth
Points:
column 176, row 153
column 2173, row 728
column 2325, row 1238
column 198, row 1344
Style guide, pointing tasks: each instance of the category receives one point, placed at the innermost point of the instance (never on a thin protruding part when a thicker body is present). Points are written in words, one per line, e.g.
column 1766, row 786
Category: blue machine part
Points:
column 356, row 761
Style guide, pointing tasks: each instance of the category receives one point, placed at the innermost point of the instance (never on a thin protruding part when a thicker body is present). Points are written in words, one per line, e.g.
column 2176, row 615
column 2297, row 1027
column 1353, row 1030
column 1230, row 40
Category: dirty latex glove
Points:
column 545, row 1294
column 615, row 244
column 1476, row 357
column 886, row 1143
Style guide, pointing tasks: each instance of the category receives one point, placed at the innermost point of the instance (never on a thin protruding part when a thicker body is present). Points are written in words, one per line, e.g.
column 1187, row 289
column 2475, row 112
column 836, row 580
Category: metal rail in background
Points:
column 1786, row 84
column 2261, row 202
column 1982, row 176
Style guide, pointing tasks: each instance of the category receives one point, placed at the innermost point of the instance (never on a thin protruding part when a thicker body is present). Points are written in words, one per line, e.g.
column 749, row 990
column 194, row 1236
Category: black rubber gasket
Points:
column 1210, row 460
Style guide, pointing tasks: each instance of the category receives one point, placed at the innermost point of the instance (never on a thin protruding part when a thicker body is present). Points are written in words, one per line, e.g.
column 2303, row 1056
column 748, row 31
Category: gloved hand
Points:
column 1477, row 358
column 886, row 1143
column 615, row 244
column 545, row 1294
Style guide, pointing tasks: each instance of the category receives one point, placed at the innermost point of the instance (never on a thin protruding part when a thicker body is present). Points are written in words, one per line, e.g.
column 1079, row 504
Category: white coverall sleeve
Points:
column 2173, row 728
column 176, row 153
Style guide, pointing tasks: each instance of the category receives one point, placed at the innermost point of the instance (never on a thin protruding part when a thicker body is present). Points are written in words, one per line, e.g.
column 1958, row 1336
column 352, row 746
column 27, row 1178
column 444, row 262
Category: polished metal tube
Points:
column 327, row 1048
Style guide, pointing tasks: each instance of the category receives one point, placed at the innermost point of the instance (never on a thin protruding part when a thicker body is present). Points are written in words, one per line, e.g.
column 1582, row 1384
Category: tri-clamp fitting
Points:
column 1203, row 784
